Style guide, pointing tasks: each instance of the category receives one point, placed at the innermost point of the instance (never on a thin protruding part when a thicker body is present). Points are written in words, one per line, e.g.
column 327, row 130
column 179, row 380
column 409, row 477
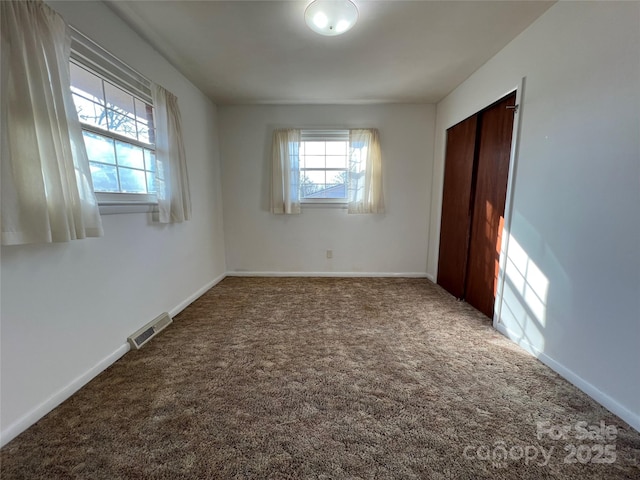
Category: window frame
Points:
column 325, row 135
column 88, row 55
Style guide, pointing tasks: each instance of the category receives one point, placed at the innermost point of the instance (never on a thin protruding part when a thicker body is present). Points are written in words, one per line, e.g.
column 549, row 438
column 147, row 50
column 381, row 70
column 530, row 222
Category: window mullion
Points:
column 117, row 136
column 115, row 156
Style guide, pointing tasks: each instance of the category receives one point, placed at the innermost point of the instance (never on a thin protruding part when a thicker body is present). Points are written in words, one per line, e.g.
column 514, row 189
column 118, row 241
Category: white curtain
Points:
column 47, row 192
column 365, row 175
column 174, row 197
column 285, row 173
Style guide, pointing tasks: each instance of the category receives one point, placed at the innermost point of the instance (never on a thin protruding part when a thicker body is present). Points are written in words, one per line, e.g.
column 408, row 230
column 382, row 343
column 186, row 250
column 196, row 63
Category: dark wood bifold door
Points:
column 474, row 194
column 455, row 225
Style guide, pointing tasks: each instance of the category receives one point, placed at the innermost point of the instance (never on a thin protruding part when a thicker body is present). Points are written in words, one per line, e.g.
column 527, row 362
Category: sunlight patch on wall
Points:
column 528, row 281
column 524, row 299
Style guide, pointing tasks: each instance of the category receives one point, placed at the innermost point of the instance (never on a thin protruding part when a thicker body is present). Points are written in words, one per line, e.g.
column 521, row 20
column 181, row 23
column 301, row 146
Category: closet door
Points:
column 494, row 149
column 456, row 203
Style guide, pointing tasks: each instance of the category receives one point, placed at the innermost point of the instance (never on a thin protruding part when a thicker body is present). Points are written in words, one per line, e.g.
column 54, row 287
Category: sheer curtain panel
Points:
column 47, row 192
column 365, row 175
column 285, row 172
column 174, row 197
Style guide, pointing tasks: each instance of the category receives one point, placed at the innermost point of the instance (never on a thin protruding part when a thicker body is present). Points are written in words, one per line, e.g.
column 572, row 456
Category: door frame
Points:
column 508, row 206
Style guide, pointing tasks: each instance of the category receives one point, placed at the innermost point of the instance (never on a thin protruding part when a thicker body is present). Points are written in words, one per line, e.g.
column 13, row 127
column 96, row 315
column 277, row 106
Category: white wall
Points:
column 258, row 241
column 573, row 276
column 68, row 307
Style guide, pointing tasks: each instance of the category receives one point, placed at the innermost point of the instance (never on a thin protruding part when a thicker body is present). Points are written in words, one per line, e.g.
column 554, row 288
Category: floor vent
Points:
column 150, row 330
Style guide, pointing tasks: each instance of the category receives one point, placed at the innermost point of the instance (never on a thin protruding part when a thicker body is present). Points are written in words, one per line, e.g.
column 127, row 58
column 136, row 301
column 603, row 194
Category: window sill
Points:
column 341, row 205
column 117, row 203
column 113, row 208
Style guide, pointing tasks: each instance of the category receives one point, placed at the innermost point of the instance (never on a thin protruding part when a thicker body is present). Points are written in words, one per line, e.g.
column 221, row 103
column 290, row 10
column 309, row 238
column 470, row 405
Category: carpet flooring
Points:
column 295, row 378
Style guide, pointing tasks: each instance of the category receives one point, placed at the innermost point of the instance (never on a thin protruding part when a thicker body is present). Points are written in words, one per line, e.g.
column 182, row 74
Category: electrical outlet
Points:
column 329, row 253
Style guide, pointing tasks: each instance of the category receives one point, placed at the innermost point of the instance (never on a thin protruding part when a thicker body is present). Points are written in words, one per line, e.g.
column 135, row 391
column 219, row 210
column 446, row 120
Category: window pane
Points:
column 314, row 161
column 336, row 177
column 86, row 83
column 357, row 161
column 144, row 134
column 121, row 124
column 337, row 162
column 149, row 160
column 315, row 177
column 151, row 182
column 90, row 112
column 330, row 191
column 105, row 178
column 132, row 181
column 144, row 112
column 99, row 148
column 336, row 148
column 129, row 155
column 308, row 189
column 160, row 171
column 118, row 100
column 314, row 148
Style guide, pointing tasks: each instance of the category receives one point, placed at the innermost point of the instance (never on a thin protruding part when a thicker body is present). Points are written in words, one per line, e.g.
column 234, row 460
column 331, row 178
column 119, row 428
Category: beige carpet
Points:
column 294, row 378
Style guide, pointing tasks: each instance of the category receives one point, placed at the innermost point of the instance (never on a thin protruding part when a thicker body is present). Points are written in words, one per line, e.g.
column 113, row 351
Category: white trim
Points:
column 117, row 202
column 432, row 278
column 599, row 396
column 326, row 202
column 117, row 209
column 20, row 425
column 324, row 135
column 93, row 56
column 329, row 274
column 304, row 205
column 194, row 296
column 119, row 198
column 508, row 206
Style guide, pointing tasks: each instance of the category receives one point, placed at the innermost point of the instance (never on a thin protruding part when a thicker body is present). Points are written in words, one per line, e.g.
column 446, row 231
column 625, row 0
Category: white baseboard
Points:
column 194, row 296
column 19, row 426
column 431, row 278
column 602, row 398
column 328, row 274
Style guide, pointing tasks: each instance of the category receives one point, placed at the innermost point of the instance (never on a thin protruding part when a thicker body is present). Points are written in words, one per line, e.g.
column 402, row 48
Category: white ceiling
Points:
column 263, row 52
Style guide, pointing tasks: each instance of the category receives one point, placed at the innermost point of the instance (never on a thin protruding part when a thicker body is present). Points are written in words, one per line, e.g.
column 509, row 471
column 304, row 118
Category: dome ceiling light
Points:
column 331, row 17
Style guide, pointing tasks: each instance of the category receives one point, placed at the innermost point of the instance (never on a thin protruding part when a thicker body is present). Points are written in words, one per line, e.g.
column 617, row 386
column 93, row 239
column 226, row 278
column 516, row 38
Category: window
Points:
column 324, row 166
column 116, row 114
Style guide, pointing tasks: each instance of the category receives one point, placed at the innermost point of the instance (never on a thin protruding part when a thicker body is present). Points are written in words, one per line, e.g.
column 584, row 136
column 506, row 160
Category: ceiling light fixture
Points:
column 331, row 17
